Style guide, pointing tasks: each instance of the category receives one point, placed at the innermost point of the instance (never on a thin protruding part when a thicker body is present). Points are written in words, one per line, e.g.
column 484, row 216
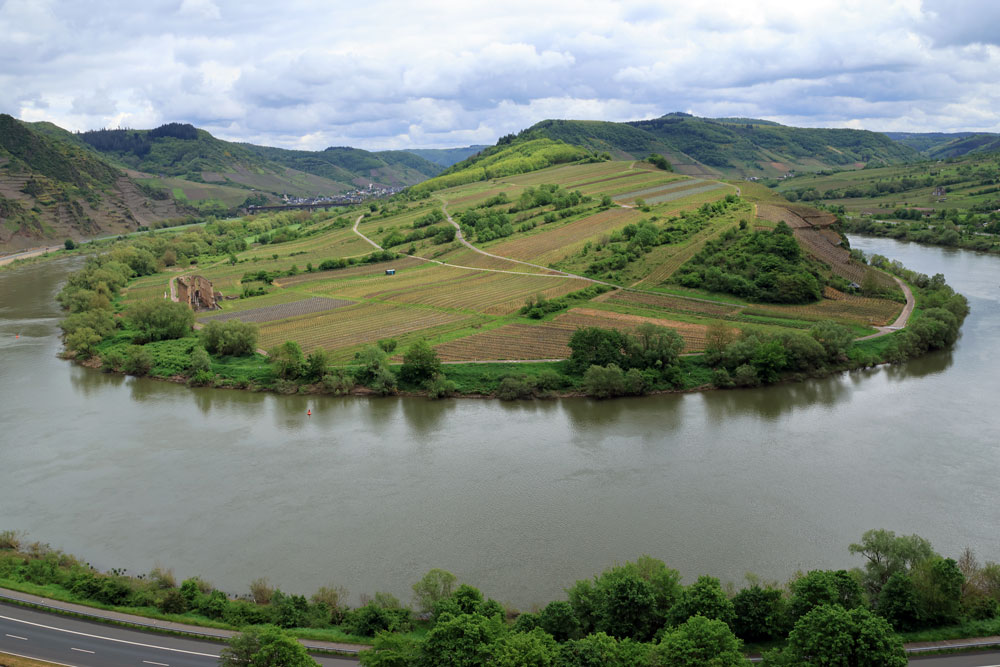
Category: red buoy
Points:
column 309, row 412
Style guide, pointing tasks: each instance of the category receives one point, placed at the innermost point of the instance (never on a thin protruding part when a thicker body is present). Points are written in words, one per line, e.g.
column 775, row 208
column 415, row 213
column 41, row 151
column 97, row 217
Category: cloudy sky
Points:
column 385, row 74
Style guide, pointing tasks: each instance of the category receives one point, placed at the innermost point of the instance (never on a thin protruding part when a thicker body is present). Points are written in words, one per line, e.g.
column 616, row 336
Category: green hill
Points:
column 732, row 147
column 182, row 151
column 507, row 158
column 53, row 187
column 943, row 145
column 446, row 157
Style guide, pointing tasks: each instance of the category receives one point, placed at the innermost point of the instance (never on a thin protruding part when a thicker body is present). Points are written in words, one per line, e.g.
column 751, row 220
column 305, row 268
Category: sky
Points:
column 433, row 74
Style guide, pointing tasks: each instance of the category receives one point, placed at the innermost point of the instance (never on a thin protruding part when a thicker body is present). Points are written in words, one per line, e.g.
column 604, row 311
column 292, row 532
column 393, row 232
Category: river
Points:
column 519, row 499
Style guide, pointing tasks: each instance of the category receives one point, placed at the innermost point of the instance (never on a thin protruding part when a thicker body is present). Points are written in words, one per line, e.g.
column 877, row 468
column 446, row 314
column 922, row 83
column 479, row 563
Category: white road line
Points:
column 28, row 657
column 109, row 639
column 24, row 639
column 150, row 662
column 81, row 650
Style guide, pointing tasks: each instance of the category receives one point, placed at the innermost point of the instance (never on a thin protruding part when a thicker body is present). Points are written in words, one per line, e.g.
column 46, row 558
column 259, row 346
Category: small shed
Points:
column 390, row 272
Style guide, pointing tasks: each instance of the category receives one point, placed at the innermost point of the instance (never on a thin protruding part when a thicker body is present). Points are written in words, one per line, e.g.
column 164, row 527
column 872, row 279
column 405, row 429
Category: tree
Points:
column 886, row 553
column 653, row 346
column 69, row 244
column 897, row 602
column 699, row 642
column 315, row 367
column 436, row 585
column 420, row 363
column 706, row 598
column 159, row 320
column 831, row 635
column 264, row 646
column 938, row 586
column 462, row 641
column 83, row 342
column 391, row 650
column 525, row 649
column 759, row 614
column 371, row 360
column 626, row 605
column 824, row 587
column 288, row 360
column 600, row 650
column 558, row 620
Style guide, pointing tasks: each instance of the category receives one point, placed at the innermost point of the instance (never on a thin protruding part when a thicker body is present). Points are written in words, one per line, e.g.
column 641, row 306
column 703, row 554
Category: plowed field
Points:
column 281, row 311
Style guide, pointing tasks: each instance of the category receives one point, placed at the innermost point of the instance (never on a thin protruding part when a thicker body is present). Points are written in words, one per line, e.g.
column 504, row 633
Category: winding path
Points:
column 899, row 323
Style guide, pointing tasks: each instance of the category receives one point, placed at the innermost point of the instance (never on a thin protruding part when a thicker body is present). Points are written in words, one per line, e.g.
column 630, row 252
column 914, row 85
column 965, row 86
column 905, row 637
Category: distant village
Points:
column 373, row 191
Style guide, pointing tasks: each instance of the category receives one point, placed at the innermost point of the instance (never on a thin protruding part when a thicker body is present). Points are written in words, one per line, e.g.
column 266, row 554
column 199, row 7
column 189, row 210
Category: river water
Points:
column 519, row 499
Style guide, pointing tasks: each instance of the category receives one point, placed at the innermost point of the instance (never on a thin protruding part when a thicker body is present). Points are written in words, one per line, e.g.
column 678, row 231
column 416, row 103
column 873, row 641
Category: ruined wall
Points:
column 197, row 292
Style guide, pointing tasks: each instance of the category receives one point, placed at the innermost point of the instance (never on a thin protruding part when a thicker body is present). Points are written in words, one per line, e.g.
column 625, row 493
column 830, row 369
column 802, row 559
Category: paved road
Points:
column 988, row 659
column 79, row 643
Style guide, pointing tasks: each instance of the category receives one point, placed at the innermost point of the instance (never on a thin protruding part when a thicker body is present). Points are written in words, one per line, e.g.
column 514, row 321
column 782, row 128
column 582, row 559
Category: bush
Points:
column 338, row 382
column 138, row 361
column 173, row 602
column 420, row 363
column 515, row 387
column 231, row 337
column 440, row 387
column 200, row 361
column 112, row 360
column 159, row 320
column 604, row 381
column 288, row 360
column 367, row 621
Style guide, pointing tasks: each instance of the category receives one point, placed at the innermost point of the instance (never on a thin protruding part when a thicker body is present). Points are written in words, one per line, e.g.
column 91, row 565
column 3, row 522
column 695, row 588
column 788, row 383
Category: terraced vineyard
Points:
column 281, row 311
column 851, row 308
column 345, row 329
column 545, row 247
column 468, row 307
column 671, row 303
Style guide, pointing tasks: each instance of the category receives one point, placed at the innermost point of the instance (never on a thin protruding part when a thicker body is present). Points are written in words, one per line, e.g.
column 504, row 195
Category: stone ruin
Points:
column 198, row 293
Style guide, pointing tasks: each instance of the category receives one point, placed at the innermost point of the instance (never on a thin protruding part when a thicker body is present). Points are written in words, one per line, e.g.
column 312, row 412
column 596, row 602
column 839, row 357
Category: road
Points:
column 78, row 643
column 24, row 254
column 988, row 659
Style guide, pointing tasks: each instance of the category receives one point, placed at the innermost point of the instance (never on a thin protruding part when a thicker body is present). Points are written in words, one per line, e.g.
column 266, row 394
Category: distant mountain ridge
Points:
column 943, row 145
column 446, row 157
column 730, row 147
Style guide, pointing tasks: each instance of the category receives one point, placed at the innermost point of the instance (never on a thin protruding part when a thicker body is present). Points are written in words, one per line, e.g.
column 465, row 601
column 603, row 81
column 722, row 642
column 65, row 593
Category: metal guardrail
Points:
column 154, row 626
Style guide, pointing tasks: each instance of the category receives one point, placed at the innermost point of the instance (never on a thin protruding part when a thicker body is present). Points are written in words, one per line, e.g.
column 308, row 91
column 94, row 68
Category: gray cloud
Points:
column 391, row 74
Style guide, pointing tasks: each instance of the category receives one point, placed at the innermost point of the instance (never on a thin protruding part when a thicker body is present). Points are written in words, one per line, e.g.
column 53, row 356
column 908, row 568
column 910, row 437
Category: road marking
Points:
column 81, row 650
column 24, row 639
column 28, row 657
column 109, row 639
column 161, row 664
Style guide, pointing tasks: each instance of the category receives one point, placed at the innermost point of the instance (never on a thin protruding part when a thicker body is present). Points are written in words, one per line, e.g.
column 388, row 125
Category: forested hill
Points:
column 732, row 147
column 943, row 145
column 183, row 151
column 352, row 165
column 54, row 188
column 446, row 156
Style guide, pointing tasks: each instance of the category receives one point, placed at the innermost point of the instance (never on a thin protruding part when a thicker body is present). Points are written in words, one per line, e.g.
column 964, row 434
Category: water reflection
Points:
column 90, row 383
column 770, row 403
column 426, row 417
column 930, row 364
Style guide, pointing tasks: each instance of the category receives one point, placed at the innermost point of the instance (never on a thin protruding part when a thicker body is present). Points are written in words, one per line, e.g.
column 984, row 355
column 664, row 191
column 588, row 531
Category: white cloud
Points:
column 309, row 73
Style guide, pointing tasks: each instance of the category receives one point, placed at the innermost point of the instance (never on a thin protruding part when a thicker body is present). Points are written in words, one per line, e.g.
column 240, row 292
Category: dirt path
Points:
column 904, row 315
column 25, row 254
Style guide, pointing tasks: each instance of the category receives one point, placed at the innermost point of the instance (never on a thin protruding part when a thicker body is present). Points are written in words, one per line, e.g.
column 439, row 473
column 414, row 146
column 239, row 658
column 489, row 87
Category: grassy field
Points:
column 466, row 303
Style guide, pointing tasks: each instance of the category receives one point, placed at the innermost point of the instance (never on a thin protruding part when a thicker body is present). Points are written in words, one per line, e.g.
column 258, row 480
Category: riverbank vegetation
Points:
column 636, row 613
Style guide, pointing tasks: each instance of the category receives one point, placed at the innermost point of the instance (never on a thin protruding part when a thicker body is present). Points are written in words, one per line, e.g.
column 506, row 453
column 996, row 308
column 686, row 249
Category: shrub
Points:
column 232, row 337
column 200, row 361
column 138, row 361
column 112, row 360
column 288, row 360
column 440, row 387
column 159, row 320
column 604, row 381
column 420, row 363
column 515, row 387
column 338, row 382
column 173, row 603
